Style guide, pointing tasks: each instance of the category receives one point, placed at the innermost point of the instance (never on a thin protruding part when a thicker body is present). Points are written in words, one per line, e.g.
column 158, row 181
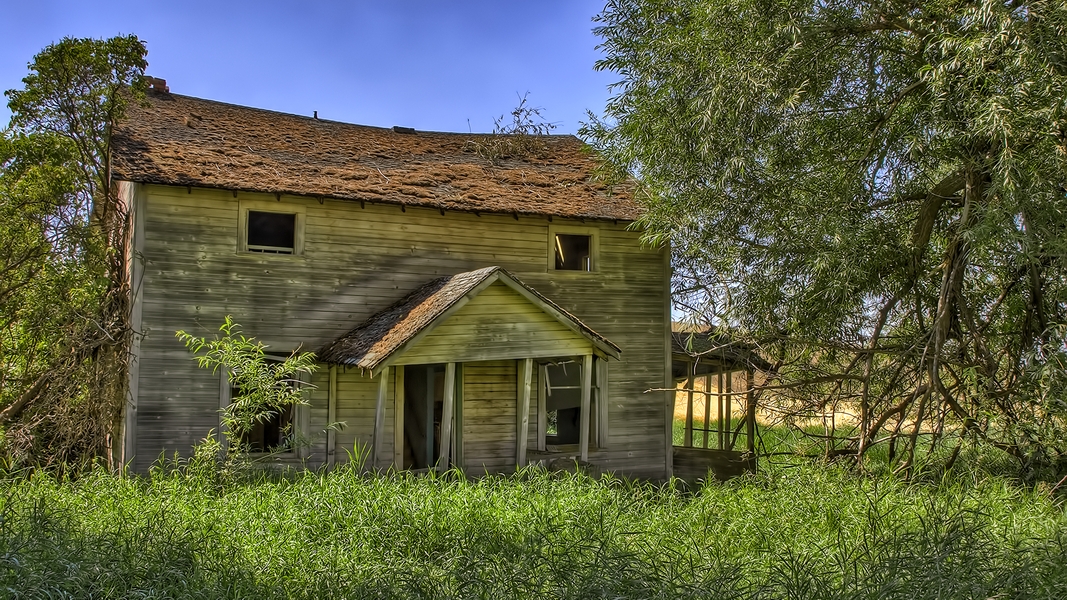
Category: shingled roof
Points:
column 714, row 348
column 376, row 339
column 179, row 140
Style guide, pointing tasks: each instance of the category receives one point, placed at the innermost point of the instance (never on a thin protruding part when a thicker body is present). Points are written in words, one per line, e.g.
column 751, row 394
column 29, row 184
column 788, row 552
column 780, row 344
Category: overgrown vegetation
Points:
column 64, row 290
column 808, row 532
column 873, row 194
column 521, row 138
column 263, row 386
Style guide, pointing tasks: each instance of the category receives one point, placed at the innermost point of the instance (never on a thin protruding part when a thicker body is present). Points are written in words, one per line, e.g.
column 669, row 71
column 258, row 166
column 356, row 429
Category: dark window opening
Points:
column 271, row 232
column 573, row 252
column 563, row 403
column 273, row 434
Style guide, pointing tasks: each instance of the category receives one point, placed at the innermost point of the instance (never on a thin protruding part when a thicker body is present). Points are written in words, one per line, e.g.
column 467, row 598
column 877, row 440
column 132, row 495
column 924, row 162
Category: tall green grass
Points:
column 802, row 532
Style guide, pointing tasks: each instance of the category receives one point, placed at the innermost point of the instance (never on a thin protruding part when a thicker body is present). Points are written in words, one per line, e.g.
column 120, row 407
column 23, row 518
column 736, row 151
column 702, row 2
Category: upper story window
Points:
column 271, row 232
column 271, row 227
column 573, row 248
column 574, row 252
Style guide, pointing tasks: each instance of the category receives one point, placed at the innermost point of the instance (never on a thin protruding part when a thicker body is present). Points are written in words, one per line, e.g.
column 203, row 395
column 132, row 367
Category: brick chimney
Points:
column 155, row 84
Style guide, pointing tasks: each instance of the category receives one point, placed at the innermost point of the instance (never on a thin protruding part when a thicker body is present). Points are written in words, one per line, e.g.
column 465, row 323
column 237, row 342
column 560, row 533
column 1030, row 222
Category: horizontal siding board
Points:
column 489, row 416
column 497, row 323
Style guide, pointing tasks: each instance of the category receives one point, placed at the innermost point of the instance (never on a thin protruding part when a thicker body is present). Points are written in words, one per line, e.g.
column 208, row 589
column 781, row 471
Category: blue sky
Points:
column 446, row 65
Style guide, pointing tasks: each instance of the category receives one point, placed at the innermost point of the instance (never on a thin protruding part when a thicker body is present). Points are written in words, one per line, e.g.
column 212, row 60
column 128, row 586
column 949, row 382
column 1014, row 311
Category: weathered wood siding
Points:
column 695, row 464
column 357, row 396
column 356, row 262
column 489, row 415
column 498, row 323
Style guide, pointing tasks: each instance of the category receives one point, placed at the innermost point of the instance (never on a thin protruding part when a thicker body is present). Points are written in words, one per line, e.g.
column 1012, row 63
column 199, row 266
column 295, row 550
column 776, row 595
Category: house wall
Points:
column 357, row 261
column 497, row 323
column 489, row 416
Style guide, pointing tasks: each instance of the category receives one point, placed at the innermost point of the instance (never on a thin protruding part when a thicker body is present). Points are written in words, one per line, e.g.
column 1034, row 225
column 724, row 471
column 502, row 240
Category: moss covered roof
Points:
column 185, row 141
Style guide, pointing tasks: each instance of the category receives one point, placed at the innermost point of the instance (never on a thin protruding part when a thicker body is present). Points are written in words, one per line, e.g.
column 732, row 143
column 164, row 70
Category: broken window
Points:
column 271, row 232
column 574, row 252
column 274, row 434
column 562, row 405
column 277, row 430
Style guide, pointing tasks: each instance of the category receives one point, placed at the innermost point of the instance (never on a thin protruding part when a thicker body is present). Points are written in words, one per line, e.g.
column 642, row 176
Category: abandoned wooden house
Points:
column 468, row 310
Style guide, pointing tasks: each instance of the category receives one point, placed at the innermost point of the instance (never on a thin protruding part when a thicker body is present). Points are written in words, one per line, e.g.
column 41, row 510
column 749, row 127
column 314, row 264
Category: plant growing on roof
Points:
column 520, row 138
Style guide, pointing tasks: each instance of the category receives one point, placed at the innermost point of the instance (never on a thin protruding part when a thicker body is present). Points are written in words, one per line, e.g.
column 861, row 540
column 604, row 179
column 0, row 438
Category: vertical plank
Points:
column 224, row 401
column 331, row 418
column 602, row 402
column 398, row 418
column 446, row 415
column 302, row 423
column 707, row 407
column 428, row 432
column 379, row 416
column 718, row 425
column 526, row 375
column 136, row 265
column 671, row 397
column 457, row 418
column 689, row 383
column 587, row 385
column 729, row 410
column 750, row 411
column 542, row 407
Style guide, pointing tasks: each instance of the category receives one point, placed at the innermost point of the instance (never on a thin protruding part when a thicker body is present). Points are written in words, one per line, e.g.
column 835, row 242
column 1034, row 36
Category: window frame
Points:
column 594, row 246
column 598, row 434
column 300, row 421
column 277, row 206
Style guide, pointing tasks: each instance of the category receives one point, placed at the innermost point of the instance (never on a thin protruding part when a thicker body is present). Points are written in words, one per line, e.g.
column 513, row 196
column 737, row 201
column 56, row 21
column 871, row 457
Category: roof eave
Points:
column 379, row 200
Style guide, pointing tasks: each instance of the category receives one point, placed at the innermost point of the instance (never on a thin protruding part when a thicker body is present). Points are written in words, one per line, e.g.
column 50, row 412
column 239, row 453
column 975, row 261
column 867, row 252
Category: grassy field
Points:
column 790, row 532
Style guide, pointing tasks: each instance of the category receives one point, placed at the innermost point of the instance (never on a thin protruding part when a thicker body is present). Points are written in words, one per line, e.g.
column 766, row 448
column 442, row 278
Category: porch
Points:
column 716, row 399
column 475, row 371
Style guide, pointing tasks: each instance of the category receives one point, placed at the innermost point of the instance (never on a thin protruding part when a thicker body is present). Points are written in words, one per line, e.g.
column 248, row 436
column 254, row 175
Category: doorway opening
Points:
column 424, row 394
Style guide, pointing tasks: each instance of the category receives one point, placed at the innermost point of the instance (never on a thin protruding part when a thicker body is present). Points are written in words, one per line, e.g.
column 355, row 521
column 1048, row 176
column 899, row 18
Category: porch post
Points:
column 587, row 386
column 707, row 406
column 750, row 411
column 542, row 408
column 331, row 418
column 690, row 382
column 398, row 419
column 728, row 409
column 446, row 415
column 718, row 426
column 524, row 411
column 379, row 416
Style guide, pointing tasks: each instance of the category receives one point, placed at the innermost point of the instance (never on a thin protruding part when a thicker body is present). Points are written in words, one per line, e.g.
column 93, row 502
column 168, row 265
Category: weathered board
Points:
column 497, row 324
column 489, row 409
column 695, row 464
column 355, row 262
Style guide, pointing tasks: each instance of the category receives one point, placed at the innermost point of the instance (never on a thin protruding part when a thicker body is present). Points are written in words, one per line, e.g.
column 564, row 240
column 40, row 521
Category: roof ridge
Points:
column 389, row 129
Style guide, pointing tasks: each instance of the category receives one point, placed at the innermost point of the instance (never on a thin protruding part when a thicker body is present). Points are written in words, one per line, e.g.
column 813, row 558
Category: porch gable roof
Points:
column 384, row 336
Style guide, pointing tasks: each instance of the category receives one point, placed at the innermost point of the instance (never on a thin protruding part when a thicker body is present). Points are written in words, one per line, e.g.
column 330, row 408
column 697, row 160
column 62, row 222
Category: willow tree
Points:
column 874, row 192
column 64, row 294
